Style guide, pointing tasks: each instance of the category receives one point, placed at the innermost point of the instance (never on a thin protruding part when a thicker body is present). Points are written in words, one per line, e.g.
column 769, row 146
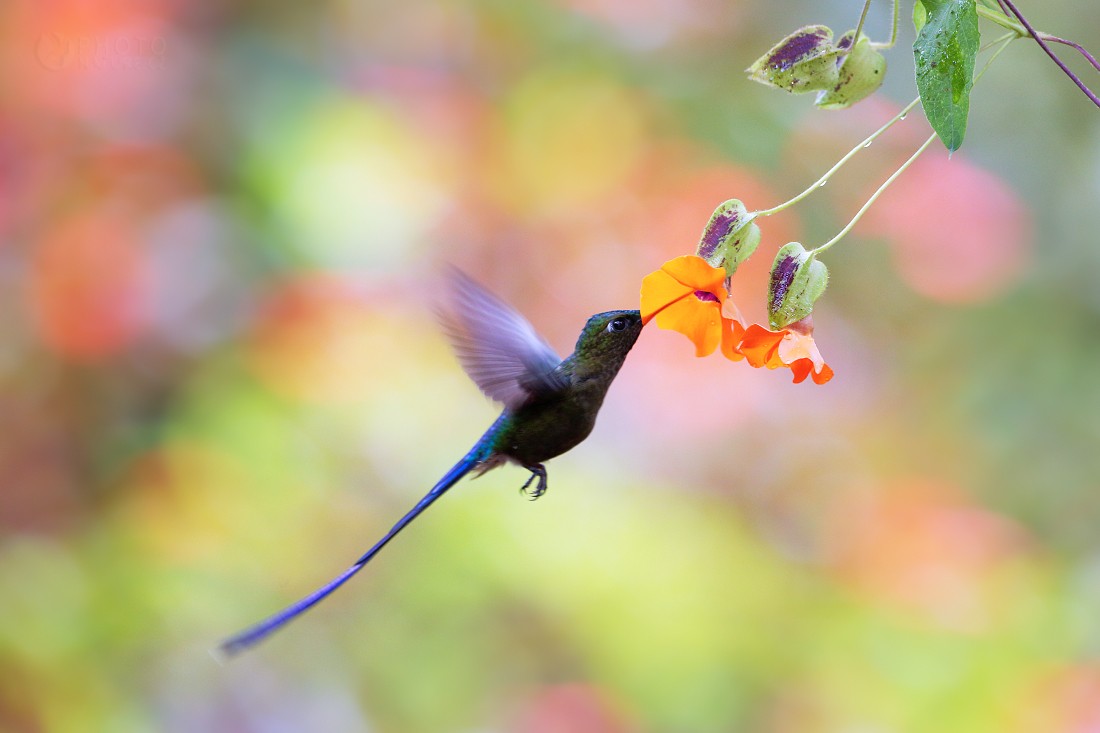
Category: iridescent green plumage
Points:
column 550, row 405
column 550, row 424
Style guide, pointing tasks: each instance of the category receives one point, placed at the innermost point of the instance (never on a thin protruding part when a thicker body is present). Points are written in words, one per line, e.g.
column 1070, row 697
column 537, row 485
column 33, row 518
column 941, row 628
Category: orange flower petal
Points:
column 732, row 333
column 790, row 348
column 799, row 351
column 678, row 278
column 659, row 290
column 760, row 346
column 824, row 375
column 676, row 295
column 696, row 273
column 801, row 369
column 699, row 320
column 689, row 296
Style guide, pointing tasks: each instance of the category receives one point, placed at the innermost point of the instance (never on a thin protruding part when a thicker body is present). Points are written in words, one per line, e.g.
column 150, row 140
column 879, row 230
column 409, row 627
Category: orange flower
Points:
column 733, row 331
column 687, row 295
column 792, row 347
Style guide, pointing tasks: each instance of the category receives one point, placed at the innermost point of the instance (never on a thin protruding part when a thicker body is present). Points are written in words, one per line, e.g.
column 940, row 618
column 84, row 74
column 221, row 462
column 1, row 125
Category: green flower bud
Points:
column 860, row 74
column 798, row 280
column 804, row 61
column 920, row 15
column 729, row 237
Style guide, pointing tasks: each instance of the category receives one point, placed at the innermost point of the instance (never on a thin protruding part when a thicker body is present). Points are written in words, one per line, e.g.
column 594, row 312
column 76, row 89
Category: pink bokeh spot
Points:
column 572, row 708
column 920, row 546
column 959, row 233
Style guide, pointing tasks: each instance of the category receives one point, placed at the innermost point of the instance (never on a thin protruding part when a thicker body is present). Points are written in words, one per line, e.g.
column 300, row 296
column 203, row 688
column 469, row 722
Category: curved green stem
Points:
column 1010, row 36
column 859, row 214
column 859, row 25
column 893, row 31
column 1007, row 39
column 851, row 153
column 1004, row 40
column 1001, row 19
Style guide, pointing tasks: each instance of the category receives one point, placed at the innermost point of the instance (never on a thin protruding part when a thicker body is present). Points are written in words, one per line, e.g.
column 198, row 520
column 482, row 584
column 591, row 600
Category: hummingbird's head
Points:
column 609, row 336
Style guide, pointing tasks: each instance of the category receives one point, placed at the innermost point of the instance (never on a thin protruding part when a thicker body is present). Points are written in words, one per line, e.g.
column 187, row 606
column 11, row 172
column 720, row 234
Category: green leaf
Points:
column 945, row 49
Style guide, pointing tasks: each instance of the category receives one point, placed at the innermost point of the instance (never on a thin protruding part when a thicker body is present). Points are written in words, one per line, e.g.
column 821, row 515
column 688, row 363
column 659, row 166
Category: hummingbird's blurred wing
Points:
column 496, row 346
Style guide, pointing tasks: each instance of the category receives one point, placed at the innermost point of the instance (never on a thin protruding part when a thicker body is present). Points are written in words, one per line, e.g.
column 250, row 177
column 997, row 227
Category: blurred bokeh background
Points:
column 221, row 233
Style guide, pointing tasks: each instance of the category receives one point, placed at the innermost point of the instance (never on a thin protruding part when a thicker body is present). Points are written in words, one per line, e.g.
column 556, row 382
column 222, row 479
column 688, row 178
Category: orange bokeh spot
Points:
column 923, row 547
column 87, row 286
column 316, row 339
column 1064, row 699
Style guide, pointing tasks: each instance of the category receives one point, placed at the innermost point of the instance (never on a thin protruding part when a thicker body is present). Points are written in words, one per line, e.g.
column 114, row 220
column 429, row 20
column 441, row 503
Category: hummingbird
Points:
column 550, row 405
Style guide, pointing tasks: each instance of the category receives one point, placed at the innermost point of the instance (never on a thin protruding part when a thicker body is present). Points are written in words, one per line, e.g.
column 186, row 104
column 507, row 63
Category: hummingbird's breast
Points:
column 540, row 431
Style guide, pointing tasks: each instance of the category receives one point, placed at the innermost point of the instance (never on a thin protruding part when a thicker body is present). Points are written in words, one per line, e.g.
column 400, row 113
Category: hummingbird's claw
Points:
column 537, row 471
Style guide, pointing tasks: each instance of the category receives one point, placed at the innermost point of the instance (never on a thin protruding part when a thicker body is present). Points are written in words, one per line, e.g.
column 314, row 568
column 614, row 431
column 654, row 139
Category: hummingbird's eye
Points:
column 619, row 324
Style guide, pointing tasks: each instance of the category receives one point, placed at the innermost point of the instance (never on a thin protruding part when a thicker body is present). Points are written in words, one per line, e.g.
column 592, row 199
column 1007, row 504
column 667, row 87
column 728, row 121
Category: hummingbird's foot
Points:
column 537, row 471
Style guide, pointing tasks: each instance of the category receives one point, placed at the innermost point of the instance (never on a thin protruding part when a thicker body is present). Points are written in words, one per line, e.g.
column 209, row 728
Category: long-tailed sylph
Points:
column 550, row 405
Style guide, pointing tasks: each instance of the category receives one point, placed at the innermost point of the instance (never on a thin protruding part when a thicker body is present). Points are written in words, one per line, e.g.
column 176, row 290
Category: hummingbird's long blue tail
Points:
column 261, row 630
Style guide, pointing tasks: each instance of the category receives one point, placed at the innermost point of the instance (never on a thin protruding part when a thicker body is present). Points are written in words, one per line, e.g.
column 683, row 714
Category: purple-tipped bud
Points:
column 861, row 72
column 729, row 237
column 804, row 61
column 798, row 279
